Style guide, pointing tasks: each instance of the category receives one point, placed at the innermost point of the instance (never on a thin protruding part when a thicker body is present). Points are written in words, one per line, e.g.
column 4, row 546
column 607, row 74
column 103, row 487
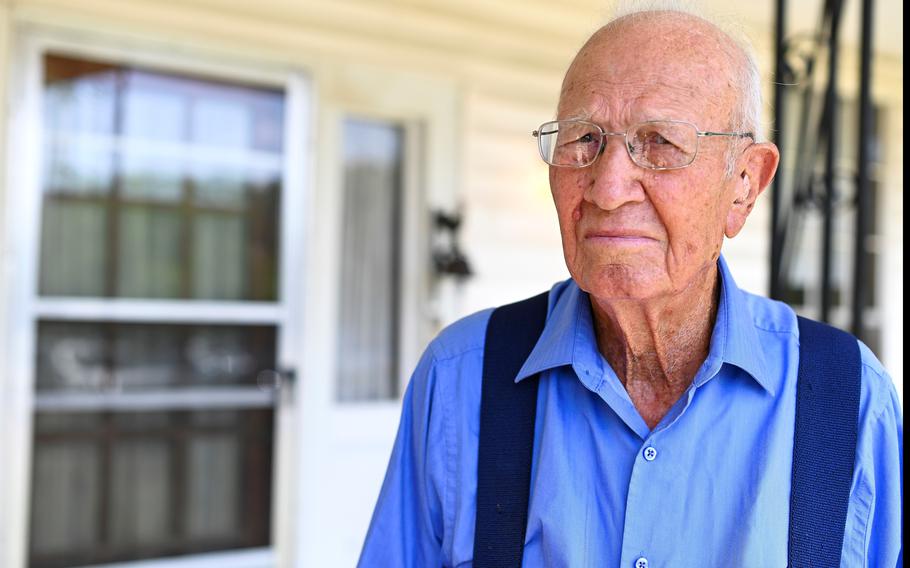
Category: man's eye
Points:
column 656, row 138
column 585, row 139
column 582, row 140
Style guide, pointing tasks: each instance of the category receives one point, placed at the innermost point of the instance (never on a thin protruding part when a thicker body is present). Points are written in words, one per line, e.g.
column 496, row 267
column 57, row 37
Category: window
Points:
column 158, row 306
column 369, row 305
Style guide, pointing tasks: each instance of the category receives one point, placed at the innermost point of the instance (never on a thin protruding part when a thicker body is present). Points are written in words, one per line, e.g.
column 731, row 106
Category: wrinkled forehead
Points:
column 600, row 98
column 653, row 61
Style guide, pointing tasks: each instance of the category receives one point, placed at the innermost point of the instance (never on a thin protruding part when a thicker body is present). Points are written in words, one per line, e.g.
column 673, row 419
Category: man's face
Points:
column 630, row 232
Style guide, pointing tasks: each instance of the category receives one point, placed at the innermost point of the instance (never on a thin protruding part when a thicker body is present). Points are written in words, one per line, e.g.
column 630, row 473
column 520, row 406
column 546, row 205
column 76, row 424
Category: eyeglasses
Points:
column 653, row 144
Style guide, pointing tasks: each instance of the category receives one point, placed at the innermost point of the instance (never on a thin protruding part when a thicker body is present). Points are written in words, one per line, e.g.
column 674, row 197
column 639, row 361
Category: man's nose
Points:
column 615, row 178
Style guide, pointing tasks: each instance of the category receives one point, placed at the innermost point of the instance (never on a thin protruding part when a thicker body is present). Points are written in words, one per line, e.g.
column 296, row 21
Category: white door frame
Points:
column 344, row 447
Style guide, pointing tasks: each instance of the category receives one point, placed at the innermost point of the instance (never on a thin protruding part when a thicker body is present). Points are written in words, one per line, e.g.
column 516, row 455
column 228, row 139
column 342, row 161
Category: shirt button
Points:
column 650, row 454
column 641, row 563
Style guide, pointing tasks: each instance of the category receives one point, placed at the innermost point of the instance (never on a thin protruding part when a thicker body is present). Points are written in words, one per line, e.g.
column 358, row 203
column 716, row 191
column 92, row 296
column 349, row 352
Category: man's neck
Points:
column 656, row 346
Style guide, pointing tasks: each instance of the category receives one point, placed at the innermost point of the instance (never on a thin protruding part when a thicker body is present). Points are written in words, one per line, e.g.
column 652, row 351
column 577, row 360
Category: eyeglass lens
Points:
column 655, row 144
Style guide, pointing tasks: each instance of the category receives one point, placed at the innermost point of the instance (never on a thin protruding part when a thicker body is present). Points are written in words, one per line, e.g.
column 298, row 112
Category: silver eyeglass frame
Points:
column 603, row 141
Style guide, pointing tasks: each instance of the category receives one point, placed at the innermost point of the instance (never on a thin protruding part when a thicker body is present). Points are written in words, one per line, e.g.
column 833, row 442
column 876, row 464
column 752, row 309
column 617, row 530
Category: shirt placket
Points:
column 651, row 490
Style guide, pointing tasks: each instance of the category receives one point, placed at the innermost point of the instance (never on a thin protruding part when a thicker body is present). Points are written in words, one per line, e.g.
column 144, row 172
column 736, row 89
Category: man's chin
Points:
column 622, row 282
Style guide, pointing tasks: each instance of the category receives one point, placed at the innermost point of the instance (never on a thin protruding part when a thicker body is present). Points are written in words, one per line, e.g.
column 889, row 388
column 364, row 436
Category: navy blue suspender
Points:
column 824, row 443
column 827, row 411
column 507, row 415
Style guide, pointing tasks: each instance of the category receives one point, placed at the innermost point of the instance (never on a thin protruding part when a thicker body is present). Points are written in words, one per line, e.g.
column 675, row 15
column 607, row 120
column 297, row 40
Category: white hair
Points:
column 746, row 114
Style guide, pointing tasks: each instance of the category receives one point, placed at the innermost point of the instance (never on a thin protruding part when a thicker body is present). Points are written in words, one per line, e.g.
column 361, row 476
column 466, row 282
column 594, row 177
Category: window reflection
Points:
column 96, row 356
column 118, row 486
column 158, row 185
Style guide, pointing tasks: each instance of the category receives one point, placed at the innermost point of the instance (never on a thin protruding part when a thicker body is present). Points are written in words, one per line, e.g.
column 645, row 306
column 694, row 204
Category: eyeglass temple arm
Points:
column 737, row 134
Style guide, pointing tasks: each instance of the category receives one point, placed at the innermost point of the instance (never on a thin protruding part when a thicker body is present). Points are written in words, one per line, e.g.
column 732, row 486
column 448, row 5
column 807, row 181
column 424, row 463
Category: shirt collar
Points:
column 556, row 345
column 735, row 339
column 568, row 336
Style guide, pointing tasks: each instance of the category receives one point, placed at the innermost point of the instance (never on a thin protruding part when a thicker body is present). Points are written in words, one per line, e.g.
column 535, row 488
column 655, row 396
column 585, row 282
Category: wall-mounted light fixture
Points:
column 448, row 259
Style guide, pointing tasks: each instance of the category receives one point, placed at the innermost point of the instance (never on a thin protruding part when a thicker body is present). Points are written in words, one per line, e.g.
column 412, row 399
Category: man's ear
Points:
column 756, row 168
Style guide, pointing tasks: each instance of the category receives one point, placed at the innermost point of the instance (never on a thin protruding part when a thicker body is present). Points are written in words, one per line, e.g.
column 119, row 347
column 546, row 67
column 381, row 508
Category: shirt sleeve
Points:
column 407, row 525
column 875, row 524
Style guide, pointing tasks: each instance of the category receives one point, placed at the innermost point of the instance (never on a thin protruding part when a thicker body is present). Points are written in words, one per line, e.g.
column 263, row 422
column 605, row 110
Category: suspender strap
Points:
column 507, row 414
column 824, row 443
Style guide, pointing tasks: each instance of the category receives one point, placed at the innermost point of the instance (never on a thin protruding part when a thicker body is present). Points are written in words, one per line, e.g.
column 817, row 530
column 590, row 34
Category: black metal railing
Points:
column 809, row 180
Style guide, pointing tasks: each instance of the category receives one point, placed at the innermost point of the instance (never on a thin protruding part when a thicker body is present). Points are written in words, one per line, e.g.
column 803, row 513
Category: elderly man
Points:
column 662, row 423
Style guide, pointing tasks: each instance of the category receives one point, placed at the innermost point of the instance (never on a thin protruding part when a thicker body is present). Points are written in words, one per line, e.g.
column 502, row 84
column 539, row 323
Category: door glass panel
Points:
column 154, row 186
column 73, row 242
column 66, row 496
column 124, row 486
column 149, row 241
column 370, row 261
column 158, row 185
column 118, row 485
column 140, row 492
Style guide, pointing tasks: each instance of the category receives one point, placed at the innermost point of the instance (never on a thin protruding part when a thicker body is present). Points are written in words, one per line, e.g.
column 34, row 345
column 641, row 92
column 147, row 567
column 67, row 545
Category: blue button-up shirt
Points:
column 709, row 486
